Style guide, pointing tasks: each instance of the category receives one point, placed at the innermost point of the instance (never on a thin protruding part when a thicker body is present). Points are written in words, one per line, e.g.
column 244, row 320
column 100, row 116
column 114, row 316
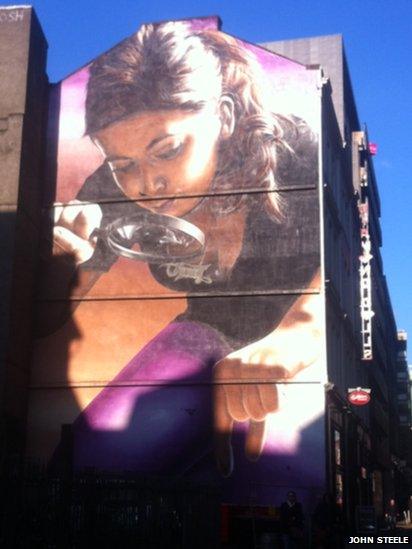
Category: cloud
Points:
column 384, row 163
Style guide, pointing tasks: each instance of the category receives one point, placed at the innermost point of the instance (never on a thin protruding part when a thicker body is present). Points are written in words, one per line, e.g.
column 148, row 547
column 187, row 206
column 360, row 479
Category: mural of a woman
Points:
column 182, row 123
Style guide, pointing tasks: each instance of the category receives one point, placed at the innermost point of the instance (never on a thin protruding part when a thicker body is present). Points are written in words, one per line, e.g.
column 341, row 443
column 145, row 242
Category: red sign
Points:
column 359, row 397
column 373, row 148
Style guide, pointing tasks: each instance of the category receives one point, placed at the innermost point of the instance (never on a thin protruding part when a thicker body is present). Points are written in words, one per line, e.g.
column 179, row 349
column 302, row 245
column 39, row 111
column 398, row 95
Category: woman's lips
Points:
column 160, row 206
column 177, row 206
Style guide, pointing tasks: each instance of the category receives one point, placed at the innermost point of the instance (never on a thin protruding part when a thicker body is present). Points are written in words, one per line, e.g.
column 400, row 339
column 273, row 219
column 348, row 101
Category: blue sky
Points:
column 378, row 42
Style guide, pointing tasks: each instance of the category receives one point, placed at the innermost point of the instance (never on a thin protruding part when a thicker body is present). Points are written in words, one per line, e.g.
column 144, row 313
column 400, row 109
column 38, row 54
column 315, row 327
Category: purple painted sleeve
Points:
column 156, row 415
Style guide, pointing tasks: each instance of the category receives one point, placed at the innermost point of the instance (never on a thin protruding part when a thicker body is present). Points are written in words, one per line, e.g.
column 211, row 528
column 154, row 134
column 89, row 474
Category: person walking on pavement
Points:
column 291, row 517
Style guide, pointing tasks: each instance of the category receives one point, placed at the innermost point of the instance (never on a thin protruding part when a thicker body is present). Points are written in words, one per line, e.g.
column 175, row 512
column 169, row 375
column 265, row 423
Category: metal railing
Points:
column 92, row 509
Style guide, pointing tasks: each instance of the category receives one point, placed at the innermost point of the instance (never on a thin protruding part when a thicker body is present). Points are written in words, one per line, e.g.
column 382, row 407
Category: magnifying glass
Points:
column 154, row 238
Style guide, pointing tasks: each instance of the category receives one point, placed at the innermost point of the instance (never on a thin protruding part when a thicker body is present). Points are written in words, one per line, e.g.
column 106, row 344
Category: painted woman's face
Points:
column 163, row 153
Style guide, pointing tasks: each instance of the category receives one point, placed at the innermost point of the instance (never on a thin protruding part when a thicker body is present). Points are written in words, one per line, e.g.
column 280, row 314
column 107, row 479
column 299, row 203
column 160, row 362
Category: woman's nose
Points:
column 154, row 185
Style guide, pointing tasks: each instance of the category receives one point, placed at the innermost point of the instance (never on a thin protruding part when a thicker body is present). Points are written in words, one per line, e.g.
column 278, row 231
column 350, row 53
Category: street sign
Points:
column 359, row 396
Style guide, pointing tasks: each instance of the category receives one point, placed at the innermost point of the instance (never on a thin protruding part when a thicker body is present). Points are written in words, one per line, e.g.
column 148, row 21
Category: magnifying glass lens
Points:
column 155, row 238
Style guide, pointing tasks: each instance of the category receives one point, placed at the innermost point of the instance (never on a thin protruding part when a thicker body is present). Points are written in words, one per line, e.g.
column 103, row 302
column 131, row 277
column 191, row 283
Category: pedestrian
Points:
column 392, row 514
column 291, row 518
column 326, row 523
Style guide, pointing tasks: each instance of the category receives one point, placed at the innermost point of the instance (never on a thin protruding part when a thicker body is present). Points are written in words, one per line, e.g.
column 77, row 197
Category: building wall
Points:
column 141, row 391
column 348, row 180
column 23, row 97
column 401, row 456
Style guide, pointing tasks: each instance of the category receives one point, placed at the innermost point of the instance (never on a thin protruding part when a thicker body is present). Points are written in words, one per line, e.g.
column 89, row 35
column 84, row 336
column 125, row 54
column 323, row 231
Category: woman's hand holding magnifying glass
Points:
column 74, row 224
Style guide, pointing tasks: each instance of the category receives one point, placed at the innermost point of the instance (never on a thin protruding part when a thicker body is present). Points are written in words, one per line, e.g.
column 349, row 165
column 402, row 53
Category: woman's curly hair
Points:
column 170, row 66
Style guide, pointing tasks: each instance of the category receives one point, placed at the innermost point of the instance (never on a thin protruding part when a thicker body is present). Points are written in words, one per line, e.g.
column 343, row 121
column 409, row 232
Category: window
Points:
column 339, row 488
column 337, row 447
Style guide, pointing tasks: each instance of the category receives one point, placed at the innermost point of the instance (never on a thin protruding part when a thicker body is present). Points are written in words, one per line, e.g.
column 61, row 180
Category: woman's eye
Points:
column 168, row 152
column 122, row 167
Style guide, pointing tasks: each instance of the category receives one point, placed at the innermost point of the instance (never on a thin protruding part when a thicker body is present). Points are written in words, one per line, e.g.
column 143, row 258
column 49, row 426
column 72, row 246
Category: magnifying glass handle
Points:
column 98, row 232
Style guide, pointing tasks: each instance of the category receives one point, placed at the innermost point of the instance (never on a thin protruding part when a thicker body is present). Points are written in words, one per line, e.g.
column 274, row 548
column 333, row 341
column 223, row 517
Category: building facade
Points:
column 23, row 115
column 401, row 453
column 193, row 279
column 362, row 341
